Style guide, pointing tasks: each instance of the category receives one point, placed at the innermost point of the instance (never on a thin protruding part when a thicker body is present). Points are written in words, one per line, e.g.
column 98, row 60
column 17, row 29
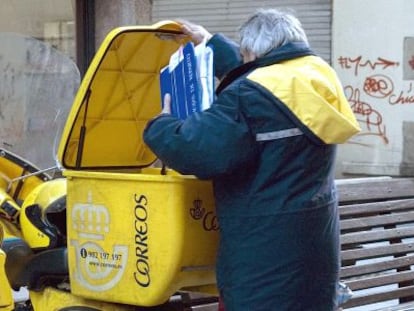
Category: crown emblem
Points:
column 91, row 221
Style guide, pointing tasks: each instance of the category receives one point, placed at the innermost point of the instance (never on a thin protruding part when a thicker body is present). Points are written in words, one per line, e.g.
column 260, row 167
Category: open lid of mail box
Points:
column 119, row 94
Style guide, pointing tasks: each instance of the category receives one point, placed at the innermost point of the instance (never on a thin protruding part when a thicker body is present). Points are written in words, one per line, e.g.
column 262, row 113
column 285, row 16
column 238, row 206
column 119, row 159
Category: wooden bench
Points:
column 377, row 242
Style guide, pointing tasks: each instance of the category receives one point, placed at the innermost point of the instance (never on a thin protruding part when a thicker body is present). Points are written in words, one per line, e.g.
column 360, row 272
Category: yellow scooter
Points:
column 136, row 234
column 115, row 233
column 33, row 252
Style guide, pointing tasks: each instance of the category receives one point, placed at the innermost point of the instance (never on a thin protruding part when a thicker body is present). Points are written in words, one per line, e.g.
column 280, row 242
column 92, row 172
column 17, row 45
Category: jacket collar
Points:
column 285, row 52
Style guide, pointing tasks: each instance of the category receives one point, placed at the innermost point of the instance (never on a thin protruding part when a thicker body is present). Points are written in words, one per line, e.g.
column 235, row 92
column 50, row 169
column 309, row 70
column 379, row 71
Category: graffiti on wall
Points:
column 408, row 58
column 411, row 62
column 377, row 88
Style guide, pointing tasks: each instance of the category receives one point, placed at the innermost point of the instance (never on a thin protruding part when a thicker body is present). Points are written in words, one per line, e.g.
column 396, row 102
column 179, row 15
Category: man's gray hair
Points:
column 268, row 29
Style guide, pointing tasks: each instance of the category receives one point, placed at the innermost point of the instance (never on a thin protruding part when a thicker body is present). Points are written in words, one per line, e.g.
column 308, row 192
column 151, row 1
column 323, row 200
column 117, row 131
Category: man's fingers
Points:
column 187, row 30
column 197, row 33
column 167, row 104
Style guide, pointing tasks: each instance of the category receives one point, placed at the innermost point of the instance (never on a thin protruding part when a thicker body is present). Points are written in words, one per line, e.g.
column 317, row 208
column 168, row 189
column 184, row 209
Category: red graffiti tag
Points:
column 379, row 86
column 366, row 114
column 411, row 62
column 349, row 63
column 404, row 97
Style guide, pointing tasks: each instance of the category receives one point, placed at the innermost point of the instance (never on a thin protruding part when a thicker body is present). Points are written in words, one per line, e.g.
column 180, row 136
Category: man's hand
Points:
column 167, row 104
column 197, row 33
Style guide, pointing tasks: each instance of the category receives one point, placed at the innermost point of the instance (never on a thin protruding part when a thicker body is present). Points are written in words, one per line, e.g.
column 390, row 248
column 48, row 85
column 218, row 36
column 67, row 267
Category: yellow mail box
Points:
column 136, row 233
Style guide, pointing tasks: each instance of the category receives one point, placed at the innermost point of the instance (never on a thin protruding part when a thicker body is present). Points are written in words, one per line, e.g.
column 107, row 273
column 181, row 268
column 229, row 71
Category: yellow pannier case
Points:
column 136, row 233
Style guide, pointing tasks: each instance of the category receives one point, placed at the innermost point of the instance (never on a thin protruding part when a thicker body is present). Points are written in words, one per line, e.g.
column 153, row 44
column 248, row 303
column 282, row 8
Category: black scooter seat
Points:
column 34, row 270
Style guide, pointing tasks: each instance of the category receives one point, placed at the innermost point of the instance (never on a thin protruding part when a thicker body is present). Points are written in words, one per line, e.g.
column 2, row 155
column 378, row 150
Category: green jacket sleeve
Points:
column 206, row 144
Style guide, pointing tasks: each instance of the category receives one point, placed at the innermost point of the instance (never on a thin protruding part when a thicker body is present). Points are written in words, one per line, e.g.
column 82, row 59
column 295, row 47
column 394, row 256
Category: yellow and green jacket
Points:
column 268, row 145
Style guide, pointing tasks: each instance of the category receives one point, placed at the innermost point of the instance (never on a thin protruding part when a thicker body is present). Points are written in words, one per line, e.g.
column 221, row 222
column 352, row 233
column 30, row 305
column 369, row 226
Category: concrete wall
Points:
column 373, row 53
column 110, row 14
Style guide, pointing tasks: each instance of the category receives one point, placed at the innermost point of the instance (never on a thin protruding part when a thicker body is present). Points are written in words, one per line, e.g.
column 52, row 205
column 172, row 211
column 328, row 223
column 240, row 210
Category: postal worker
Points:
column 268, row 144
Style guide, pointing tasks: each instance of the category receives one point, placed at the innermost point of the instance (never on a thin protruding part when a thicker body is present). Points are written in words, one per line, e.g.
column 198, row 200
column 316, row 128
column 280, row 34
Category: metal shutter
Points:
column 225, row 16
